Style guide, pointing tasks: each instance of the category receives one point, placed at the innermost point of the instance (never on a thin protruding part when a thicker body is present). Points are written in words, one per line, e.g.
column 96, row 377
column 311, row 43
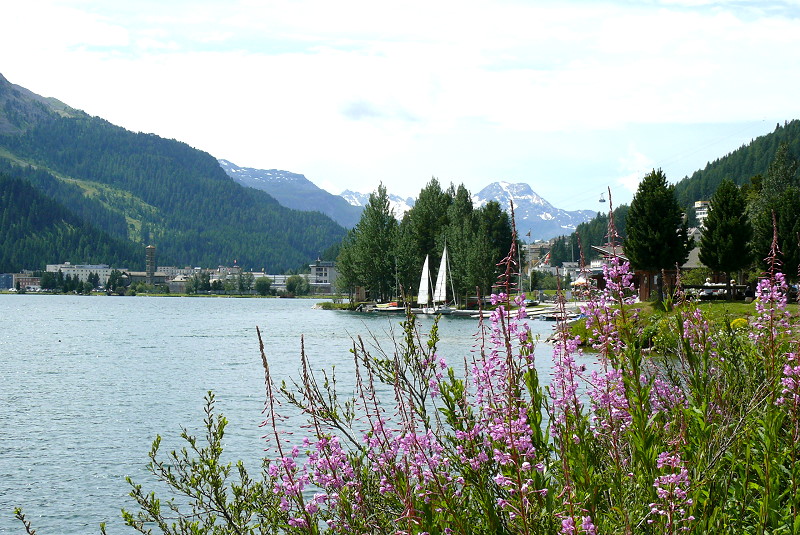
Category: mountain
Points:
column 21, row 109
column 397, row 203
column 294, row 191
column 532, row 213
column 144, row 189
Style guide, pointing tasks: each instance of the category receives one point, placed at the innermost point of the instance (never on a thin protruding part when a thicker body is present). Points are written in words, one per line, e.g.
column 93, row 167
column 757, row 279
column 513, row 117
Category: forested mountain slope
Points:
column 740, row 165
column 147, row 189
column 37, row 230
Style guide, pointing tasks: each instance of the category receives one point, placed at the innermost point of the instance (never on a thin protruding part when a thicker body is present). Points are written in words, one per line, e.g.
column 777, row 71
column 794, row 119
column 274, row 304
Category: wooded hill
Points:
column 142, row 189
column 740, row 165
column 36, row 231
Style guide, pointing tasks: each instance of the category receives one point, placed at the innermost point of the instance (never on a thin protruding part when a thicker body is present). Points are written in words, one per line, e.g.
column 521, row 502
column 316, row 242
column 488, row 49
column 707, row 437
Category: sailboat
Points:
column 424, row 293
column 439, row 303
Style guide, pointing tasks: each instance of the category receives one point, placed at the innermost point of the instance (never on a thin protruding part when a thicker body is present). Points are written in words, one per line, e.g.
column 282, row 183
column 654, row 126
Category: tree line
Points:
column 58, row 282
column 385, row 256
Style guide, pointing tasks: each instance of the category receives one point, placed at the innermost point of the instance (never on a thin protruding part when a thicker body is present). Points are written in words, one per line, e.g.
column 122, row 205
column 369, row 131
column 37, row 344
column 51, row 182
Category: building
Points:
column 27, row 282
column 172, row 271
column 152, row 279
column 177, row 283
column 323, row 276
column 150, row 264
column 701, row 209
column 82, row 271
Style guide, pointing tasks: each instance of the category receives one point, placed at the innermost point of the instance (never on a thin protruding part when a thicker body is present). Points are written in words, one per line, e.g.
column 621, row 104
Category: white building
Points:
column 323, row 276
column 82, row 271
column 173, row 271
column 701, row 209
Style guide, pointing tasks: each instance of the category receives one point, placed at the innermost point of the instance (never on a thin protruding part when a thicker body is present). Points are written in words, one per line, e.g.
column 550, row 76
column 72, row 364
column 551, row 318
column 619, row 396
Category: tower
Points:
column 150, row 263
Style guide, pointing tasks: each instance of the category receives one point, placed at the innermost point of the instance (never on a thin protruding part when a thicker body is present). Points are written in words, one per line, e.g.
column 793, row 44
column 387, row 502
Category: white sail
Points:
column 422, row 297
column 440, row 291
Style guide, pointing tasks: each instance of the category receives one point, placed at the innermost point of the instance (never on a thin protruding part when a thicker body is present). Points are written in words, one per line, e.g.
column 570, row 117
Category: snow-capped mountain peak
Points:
column 397, row 203
column 254, row 177
column 504, row 192
column 535, row 218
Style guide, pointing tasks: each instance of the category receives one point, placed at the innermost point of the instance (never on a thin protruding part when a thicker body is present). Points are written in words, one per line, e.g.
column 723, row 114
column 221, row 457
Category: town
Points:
column 86, row 278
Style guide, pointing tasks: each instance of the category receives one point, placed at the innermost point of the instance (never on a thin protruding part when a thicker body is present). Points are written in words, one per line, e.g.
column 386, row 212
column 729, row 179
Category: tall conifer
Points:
column 725, row 241
column 656, row 230
column 779, row 194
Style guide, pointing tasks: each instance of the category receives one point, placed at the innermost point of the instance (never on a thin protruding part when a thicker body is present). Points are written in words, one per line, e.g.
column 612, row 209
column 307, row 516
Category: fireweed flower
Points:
column 603, row 309
column 569, row 526
column 790, row 393
column 665, row 396
column 697, row 334
column 502, row 438
column 564, row 385
column 672, row 490
column 495, row 375
column 609, row 403
column 771, row 299
column 588, row 526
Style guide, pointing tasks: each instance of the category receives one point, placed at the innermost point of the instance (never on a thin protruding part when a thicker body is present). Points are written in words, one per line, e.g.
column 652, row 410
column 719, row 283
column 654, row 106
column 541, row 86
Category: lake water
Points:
column 86, row 383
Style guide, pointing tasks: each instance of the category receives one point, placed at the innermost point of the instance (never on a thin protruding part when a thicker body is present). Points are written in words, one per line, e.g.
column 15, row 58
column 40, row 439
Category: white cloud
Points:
column 356, row 92
column 634, row 165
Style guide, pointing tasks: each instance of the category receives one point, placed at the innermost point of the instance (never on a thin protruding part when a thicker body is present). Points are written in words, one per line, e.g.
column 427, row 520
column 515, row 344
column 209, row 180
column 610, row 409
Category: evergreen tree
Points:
column 370, row 253
column 406, row 257
column 48, row 280
column 428, row 222
column 779, row 195
column 493, row 242
column 657, row 235
column 725, row 241
column 460, row 235
column 347, row 279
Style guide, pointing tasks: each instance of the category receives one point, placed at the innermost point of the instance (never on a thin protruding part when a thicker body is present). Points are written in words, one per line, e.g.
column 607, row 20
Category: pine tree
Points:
column 369, row 251
column 725, row 241
column 428, row 221
column 657, row 235
column 779, row 195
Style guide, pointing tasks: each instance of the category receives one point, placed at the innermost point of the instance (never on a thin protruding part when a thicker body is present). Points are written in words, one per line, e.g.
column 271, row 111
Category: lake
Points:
column 86, row 383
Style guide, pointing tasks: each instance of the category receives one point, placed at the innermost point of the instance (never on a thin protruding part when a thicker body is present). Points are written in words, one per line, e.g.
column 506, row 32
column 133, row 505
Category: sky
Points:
column 570, row 97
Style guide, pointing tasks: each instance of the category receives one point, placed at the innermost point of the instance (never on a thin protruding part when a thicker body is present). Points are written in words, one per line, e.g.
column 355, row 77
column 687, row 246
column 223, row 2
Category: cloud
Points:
column 359, row 91
column 634, row 165
column 359, row 110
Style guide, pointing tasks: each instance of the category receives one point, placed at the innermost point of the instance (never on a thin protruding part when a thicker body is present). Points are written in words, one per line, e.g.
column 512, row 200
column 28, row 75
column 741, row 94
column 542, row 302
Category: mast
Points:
column 452, row 286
